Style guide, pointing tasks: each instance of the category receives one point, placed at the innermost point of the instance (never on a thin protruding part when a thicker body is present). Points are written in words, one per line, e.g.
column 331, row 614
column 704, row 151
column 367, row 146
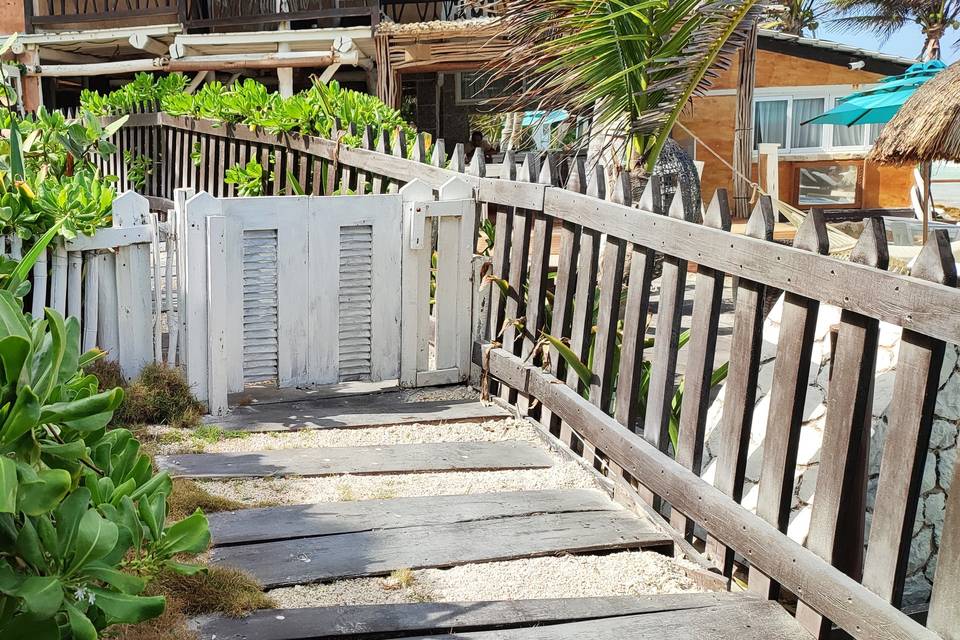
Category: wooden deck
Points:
column 303, row 544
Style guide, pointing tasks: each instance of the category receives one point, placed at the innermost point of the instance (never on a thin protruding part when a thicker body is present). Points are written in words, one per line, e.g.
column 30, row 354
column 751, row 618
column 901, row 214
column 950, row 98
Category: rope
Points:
column 840, row 243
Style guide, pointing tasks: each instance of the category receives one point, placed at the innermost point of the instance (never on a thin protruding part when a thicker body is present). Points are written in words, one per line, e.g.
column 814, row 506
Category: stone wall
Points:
column 943, row 443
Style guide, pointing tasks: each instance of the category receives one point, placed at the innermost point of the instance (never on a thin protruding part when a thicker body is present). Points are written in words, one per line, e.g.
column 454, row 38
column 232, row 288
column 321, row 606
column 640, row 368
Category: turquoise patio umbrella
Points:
column 879, row 104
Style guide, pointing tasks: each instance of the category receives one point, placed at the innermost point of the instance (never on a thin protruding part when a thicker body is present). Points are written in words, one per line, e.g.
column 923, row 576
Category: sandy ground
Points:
column 172, row 441
column 563, row 475
column 626, row 573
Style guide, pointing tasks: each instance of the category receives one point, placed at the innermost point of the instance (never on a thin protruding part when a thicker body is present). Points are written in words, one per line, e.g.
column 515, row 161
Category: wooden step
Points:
column 371, row 460
column 353, row 412
column 337, row 518
column 497, row 537
column 553, row 616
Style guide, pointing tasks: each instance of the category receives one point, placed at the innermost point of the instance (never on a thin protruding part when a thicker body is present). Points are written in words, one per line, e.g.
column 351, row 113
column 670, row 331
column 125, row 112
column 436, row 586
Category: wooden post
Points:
column 134, row 325
column 770, row 162
column 216, row 315
column 743, row 133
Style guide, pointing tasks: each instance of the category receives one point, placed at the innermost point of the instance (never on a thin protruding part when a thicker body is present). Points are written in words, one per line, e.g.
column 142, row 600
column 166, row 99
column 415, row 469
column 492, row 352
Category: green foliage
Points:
column 139, row 168
column 312, row 112
column 249, row 179
column 82, row 515
column 631, row 65
column 145, row 88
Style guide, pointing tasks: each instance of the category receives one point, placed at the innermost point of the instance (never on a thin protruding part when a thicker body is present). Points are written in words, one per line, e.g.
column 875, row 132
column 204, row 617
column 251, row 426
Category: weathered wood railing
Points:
column 625, row 430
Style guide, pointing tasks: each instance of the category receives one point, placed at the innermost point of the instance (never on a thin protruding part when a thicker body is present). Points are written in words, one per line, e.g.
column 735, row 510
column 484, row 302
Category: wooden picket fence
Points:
column 608, row 244
column 117, row 283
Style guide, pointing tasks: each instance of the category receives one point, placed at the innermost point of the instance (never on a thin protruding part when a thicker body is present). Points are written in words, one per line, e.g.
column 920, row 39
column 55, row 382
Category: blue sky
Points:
column 906, row 42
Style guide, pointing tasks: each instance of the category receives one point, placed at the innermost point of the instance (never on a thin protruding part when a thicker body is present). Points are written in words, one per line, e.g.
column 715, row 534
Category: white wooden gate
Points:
column 307, row 291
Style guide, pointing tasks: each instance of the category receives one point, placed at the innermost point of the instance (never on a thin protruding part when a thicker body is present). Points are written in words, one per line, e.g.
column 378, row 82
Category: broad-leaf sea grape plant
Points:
column 314, row 111
column 82, row 514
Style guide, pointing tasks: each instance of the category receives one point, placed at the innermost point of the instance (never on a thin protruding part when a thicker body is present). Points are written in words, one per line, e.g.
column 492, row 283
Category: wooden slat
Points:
column 944, row 615
column 663, row 366
column 747, row 620
column 354, row 622
column 353, row 412
column 373, row 460
column 608, row 313
column 540, row 243
column 501, row 265
column 700, row 362
column 312, row 520
column 907, row 440
column 839, row 508
column 519, row 256
column 788, row 391
column 630, row 406
column 740, row 389
column 378, row 552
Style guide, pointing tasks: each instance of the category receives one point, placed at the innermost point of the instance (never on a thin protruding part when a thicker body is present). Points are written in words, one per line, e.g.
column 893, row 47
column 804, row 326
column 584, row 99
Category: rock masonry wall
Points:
column 940, row 461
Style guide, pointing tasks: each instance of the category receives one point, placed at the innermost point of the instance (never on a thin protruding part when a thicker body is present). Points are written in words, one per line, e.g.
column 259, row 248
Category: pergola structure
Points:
column 430, row 47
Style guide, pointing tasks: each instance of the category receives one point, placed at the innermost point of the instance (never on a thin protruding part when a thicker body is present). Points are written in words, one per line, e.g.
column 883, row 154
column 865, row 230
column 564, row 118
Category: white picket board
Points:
column 193, row 290
column 216, row 320
column 91, row 303
column 74, row 284
column 58, row 278
column 107, row 338
column 39, row 288
column 157, row 289
column 234, row 310
column 415, row 275
column 173, row 321
column 134, row 309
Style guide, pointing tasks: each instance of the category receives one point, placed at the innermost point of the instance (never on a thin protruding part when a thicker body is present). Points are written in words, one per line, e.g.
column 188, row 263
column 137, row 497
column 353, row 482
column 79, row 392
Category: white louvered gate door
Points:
column 297, row 291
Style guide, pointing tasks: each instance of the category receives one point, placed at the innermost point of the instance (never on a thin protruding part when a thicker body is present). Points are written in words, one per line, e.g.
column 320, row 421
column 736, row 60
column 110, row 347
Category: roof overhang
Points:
column 295, row 40
column 831, row 52
column 96, row 45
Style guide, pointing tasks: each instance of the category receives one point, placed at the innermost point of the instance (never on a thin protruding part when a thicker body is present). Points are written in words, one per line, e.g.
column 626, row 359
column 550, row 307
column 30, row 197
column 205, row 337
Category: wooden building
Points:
column 822, row 165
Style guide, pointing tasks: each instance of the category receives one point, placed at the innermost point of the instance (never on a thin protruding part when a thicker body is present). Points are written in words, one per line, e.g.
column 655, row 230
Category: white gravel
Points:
column 173, row 441
column 618, row 574
column 563, row 475
column 428, row 394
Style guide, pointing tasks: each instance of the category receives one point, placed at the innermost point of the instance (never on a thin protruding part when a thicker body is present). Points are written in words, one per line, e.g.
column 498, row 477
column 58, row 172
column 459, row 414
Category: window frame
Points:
column 826, row 164
column 830, row 95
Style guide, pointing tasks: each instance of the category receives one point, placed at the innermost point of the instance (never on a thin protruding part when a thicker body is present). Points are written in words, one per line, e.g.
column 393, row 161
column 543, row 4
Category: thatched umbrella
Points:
column 925, row 130
column 927, row 126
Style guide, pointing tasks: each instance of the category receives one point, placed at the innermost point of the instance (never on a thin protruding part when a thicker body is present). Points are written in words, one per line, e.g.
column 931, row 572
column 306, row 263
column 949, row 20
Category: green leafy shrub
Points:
column 248, row 178
column 82, row 515
column 146, row 87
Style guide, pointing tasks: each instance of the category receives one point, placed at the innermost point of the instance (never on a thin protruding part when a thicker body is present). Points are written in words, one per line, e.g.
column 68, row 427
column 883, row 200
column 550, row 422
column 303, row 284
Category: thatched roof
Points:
column 472, row 26
column 927, row 127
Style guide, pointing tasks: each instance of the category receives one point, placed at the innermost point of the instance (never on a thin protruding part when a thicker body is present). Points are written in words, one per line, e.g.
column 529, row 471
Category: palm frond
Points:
column 630, row 65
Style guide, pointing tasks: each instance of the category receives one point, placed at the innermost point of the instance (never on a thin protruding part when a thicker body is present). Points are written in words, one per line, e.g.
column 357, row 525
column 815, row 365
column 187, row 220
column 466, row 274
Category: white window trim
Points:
column 458, row 93
column 830, row 94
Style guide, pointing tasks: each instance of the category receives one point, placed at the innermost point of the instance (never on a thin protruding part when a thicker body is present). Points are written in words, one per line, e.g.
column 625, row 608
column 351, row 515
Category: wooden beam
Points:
column 144, row 42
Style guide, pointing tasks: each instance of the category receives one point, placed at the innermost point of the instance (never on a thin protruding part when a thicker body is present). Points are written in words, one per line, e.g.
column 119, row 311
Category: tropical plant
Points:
column 82, row 515
column 886, row 17
column 139, row 168
column 248, row 179
column 146, row 88
column 795, row 16
column 631, row 66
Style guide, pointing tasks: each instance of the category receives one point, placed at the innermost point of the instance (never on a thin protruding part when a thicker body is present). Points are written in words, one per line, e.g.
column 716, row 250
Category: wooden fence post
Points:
column 193, row 291
column 216, row 315
column 415, row 280
column 134, row 321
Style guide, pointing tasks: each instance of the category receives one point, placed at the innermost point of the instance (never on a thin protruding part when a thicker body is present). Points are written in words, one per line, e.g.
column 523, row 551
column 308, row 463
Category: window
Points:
column 770, row 122
column 828, row 184
column 476, row 86
column 779, row 115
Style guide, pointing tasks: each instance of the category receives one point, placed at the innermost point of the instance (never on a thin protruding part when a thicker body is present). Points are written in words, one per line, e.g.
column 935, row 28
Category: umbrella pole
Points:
column 926, row 171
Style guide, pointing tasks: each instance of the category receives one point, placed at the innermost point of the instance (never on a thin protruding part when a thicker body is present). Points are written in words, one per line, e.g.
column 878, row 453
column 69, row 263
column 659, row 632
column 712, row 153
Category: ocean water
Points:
column 949, row 193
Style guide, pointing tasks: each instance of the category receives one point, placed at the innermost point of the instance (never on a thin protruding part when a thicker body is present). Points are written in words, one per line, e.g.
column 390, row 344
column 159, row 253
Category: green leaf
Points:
column 44, row 494
column 124, row 608
column 190, row 535
column 42, row 595
column 12, row 320
column 25, row 627
column 68, row 517
column 29, row 548
column 14, row 351
column 583, row 372
column 99, row 403
column 124, row 582
column 8, row 485
column 185, row 569
column 96, row 537
column 68, row 450
column 80, row 625
column 23, row 417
